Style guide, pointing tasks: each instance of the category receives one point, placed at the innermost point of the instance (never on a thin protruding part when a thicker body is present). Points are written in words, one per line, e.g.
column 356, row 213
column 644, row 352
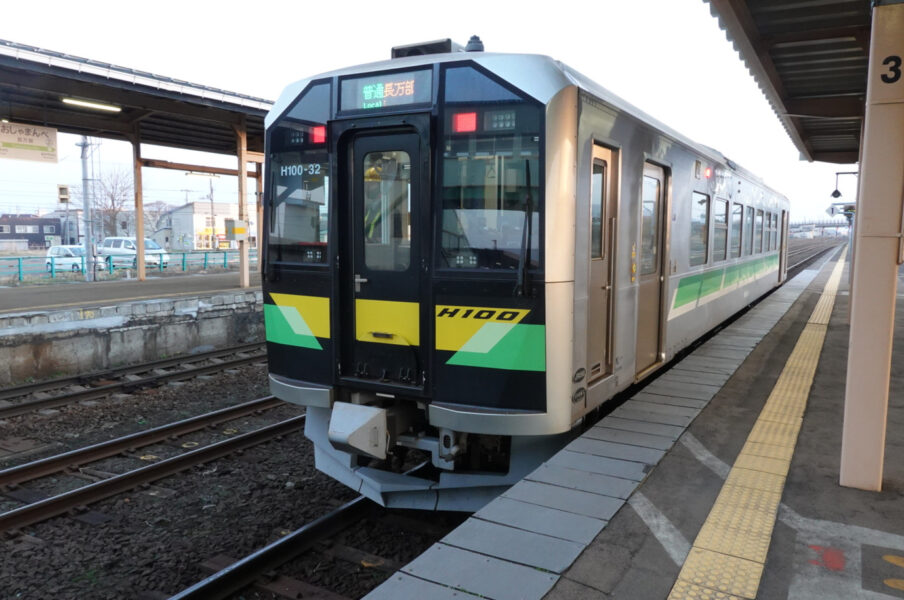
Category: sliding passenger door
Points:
column 603, row 203
column 649, row 268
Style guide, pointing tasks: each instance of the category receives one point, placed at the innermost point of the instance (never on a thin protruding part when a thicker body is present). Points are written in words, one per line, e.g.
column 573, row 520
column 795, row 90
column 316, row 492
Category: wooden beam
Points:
column 165, row 164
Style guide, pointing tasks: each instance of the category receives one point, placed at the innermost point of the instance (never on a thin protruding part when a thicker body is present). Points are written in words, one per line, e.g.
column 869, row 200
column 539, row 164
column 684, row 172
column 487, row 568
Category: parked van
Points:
column 123, row 252
column 66, row 258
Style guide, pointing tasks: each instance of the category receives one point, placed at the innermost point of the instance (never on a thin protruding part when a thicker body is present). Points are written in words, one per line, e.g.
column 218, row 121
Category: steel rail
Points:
column 83, row 496
column 812, row 254
column 75, row 458
column 102, row 391
column 43, row 386
column 244, row 572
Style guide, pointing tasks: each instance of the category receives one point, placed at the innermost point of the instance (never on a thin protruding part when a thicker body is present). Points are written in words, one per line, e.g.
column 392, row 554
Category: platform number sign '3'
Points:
column 893, row 75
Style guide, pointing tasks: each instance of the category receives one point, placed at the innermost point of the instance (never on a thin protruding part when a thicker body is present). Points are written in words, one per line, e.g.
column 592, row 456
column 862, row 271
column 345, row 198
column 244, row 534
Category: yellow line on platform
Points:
column 729, row 553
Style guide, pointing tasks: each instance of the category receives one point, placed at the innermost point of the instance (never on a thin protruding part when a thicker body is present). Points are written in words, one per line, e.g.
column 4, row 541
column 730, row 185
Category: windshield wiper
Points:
column 522, row 287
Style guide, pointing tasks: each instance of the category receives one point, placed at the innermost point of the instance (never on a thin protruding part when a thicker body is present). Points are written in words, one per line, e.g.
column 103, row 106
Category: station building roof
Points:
column 810, row 58
column 158, row 110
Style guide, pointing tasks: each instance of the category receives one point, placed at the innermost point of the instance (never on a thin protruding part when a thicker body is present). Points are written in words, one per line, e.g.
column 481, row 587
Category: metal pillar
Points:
column 86, row 201
column 878, row 250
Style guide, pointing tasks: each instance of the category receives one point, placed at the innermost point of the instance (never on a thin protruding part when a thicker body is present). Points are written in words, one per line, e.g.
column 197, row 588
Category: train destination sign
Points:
column 387, row 90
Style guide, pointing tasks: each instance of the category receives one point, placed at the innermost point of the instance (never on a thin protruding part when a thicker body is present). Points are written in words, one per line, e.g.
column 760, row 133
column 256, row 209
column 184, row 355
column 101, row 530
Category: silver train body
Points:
column 642, row 241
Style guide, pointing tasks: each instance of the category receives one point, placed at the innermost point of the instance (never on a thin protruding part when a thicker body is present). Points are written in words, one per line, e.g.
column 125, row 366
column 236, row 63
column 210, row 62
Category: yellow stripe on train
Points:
column 456, row 325
column 387, row 322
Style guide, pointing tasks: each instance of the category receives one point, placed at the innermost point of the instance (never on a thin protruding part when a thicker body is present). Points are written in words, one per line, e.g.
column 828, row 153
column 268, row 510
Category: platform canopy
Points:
column 37, row 87
column 810, row 58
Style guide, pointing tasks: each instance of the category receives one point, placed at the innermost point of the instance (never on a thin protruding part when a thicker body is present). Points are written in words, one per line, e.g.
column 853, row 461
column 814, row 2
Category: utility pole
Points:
column 86, row 200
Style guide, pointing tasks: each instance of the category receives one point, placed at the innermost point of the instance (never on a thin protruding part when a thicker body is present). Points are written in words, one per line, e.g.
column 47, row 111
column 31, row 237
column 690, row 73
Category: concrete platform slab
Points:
column 569, row 500
column 478, row 574
column 541, row 519
column 515, row 545
column 629, row 437
column 596, row 483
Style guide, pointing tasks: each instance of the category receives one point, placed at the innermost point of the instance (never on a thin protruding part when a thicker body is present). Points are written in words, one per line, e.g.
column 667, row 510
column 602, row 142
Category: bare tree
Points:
column 155, row 216
column 113, row 193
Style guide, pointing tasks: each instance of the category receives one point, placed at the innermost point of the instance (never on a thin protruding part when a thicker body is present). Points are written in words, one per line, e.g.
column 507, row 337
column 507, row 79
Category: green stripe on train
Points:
column 694, row 287
column 523, row 348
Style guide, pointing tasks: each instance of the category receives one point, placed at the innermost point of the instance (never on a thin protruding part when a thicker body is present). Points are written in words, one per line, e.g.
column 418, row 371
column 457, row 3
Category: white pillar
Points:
column 877, row 254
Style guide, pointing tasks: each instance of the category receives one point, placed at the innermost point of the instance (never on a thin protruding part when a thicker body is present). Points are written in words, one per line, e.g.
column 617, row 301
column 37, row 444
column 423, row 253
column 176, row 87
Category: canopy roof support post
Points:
column 241, row 138
column 878, row 250
column 135, row 138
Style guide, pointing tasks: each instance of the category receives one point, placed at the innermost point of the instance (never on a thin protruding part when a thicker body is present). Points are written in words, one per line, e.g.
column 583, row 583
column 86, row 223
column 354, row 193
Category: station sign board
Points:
column 28, row 142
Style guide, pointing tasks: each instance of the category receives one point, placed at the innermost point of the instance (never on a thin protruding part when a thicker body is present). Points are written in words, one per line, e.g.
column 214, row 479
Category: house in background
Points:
column 70, row 225
column 36, row 232
column 198, row 226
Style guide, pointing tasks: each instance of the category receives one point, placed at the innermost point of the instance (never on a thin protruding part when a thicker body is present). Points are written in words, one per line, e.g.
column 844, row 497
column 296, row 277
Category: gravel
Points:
column 154, row 539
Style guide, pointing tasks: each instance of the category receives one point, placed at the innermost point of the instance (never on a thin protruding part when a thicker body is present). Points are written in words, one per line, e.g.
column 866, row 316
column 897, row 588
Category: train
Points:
column 467, row 253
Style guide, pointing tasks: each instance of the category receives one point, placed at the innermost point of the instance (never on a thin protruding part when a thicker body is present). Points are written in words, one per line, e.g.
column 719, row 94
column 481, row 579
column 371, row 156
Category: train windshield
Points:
column 300, row 180
column 490, row 176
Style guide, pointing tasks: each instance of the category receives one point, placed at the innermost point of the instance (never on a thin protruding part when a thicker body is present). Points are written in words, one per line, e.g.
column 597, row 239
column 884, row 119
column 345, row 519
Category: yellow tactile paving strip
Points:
column 729, row 554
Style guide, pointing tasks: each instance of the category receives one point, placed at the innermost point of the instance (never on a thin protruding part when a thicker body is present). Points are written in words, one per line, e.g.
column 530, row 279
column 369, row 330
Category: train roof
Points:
column 540, row 76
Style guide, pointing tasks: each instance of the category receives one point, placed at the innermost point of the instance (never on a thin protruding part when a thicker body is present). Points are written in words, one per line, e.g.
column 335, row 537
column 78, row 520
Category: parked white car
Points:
column 123, row 252
column 66, row 258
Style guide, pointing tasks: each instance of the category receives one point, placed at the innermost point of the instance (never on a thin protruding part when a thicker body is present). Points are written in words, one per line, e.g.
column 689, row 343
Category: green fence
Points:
column 35, row 268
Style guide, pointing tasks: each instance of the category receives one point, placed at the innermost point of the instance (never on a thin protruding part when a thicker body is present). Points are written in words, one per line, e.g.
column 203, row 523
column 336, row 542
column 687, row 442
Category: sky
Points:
column 667, row 57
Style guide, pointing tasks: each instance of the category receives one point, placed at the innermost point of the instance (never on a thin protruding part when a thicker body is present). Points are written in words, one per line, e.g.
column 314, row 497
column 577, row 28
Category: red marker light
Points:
column 708, row 172
column 464, row 122
column 318, row 134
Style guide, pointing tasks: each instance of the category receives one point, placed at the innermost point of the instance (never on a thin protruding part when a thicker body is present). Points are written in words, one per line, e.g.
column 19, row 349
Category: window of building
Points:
column 699, row 238
column 27, row 229
column 49, row 229
column 4, row 228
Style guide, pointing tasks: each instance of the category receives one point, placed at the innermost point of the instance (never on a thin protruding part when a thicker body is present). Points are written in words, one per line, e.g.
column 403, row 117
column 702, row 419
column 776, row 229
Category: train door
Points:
column 649, row 268
column 385, row 257
column 603, row 203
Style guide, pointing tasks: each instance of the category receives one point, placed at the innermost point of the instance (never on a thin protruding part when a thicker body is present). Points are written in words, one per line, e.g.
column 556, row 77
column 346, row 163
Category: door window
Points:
column 649, row 238
column 387, row 210
column 597, row 194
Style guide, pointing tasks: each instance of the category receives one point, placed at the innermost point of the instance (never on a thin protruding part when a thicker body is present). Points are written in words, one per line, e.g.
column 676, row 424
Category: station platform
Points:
column 83, row 294
column 79, row 327
column 718, row 480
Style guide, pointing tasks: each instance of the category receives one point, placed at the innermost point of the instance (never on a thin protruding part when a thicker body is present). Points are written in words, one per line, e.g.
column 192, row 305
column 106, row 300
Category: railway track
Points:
column 70, row 460
column 245, row 572
column 59, row 392
column 77, row 499
column 801, row 253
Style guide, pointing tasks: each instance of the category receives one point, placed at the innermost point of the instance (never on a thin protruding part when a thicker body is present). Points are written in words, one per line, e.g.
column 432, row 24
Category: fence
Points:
column 36, row 268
